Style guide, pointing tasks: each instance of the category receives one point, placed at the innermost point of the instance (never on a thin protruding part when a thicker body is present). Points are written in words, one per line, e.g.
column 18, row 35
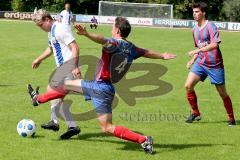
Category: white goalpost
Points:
column 143, row 10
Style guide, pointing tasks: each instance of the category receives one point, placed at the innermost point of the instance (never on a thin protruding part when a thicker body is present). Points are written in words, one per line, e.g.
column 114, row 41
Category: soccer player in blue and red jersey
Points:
column 117, row 56
column 207, row 61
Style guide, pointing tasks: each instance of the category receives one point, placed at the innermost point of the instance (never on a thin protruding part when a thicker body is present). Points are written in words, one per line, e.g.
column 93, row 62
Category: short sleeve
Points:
column 110, row 46
column 214, row 33
column 61, row 14
column 67, row 36
column 138, row 52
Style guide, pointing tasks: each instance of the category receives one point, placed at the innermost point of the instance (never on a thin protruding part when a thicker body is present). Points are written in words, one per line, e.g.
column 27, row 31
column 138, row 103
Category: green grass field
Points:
column 211, row 138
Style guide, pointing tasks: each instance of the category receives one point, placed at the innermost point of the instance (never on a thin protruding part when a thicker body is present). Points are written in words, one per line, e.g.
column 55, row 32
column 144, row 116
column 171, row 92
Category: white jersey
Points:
column 66, row 17
column 59, row 38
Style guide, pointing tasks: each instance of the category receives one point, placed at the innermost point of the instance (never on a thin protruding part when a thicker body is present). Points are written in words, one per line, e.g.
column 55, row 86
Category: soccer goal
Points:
column 143, row 10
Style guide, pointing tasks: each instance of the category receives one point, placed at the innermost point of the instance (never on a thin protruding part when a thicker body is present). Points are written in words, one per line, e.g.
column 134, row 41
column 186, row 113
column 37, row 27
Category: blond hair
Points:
column 41, row 15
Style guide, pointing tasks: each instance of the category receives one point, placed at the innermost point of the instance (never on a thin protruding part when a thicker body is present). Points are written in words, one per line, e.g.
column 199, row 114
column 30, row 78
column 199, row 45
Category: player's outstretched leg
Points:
column 227, row 104
column 191, row 81
column 147, row 145
column 33, row 94
column 105, row 121
column 43, row 98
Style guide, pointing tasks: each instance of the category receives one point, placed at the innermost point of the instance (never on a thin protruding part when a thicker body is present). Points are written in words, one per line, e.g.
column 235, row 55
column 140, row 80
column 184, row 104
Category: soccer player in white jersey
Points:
column 66, row 16
column 64, row 48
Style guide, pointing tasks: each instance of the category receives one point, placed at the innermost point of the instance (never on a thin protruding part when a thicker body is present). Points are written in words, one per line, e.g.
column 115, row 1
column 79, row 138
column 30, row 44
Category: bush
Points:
column 231, row 10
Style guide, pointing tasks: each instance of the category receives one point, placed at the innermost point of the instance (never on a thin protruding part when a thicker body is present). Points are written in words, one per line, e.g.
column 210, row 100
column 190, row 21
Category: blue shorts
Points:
column 101, row 93
column 216, row 75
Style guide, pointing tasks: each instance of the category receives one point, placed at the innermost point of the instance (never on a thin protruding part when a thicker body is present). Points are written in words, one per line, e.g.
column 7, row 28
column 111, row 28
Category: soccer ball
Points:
column 26, row 128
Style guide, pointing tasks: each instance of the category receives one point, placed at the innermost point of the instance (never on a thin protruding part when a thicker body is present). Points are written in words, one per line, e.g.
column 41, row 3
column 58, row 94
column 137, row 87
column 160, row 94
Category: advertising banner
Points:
column 175, row 23
column 141, row 21
column 172, row 23
column 234, row 26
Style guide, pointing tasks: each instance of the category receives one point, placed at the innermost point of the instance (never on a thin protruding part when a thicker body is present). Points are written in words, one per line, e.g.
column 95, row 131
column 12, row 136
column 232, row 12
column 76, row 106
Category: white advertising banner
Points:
column 84, row 18
column 111, row 20
column 141, row 21
column 107, row 19
column 234, row 26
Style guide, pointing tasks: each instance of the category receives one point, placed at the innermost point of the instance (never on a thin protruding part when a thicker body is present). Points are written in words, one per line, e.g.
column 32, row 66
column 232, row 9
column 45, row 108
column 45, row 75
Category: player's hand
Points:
column 76, row 73
column 36, row 63
column 167, row 56
column 81, row 30
column 191, row 53
column 189, row 64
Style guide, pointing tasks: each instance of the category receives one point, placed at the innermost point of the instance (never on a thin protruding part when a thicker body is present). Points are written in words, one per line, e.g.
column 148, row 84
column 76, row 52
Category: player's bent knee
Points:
column 56, row 102
column 188, row 87
column 223, row 94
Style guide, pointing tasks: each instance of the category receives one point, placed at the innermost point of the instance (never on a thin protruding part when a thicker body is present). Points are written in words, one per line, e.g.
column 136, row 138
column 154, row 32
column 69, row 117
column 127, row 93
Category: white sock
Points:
column 55, row 107
column 64, row 110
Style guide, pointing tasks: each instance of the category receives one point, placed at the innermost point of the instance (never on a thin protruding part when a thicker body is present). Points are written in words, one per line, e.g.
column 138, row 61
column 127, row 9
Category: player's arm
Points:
column 48, row 52
column 72, row 20
column 60, row 17
column 157, row 55
column 190, row 63
column 92, row 36
column 75, row 50
column 209, row 47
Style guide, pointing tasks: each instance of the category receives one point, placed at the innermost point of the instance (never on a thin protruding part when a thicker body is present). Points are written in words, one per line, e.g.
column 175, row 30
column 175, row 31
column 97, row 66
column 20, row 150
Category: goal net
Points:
column 143, row 10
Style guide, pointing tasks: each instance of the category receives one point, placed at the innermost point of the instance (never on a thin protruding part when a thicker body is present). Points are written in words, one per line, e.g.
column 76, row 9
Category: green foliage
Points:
column 231, row 10
column 26, row 5
column 85, row 7
column 18, row 5
column 5, row 5
column 53, row 5
column 182, row 8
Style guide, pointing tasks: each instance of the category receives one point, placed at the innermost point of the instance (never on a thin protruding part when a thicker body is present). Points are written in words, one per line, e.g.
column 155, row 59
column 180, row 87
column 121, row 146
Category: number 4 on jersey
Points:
column 121, row 66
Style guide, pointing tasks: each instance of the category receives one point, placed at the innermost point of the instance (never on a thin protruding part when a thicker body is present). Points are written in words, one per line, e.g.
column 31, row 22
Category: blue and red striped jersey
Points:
column 117, row 56
column 203, row 36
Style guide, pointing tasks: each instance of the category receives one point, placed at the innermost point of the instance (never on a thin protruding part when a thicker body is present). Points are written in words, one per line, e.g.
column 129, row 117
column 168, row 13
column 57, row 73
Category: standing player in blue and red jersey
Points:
column 117, row 56
column 207, row 62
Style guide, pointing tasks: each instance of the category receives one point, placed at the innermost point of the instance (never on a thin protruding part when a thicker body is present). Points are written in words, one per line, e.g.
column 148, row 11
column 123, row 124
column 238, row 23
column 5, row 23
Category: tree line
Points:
column 218, row 10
